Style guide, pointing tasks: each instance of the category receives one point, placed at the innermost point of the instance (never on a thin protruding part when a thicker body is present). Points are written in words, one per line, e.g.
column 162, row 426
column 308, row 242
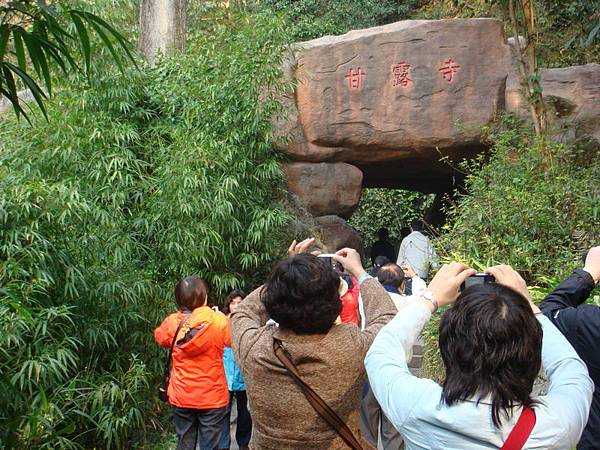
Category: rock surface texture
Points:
column 337, row 234
column 393, row 100
column 572, row 97
column 399, row 105
column 325, row 188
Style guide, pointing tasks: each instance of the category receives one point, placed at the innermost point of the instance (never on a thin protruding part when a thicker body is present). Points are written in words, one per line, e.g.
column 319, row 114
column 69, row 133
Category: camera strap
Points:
column 318, row 404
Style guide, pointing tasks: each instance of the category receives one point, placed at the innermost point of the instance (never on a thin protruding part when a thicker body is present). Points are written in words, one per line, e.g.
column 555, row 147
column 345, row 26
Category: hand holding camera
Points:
column 509, row 277
column 445, row 284
column 350, row 259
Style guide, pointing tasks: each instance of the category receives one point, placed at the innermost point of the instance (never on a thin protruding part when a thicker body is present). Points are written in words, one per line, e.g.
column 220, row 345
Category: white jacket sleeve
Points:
column 396, row 389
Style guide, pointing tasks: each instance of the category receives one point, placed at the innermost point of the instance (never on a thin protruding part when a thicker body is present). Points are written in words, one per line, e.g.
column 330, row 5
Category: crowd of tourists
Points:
column 318, row 357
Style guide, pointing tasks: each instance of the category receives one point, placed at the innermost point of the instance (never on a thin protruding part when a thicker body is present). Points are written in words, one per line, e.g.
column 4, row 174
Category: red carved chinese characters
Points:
column 354, row 78
column 449, row 69
column 400, row 72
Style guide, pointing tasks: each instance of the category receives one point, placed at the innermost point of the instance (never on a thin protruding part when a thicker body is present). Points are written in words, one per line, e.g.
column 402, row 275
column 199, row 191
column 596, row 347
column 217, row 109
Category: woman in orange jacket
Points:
column 197, row 385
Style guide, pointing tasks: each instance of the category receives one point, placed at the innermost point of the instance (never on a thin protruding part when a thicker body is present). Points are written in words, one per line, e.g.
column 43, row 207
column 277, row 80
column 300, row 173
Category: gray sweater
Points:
column 332, row 364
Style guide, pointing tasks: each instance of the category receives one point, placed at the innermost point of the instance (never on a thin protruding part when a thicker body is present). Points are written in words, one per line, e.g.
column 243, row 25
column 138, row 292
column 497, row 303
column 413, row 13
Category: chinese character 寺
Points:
column 354, row 77
column 449, row 69
column 400, row 72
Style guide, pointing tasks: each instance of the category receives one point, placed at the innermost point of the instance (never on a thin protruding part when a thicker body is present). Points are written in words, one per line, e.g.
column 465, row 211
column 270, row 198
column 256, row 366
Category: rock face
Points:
column 337, row 234
column 393, row 99
column 325, row 188
column 384, row 105
column 571, row 94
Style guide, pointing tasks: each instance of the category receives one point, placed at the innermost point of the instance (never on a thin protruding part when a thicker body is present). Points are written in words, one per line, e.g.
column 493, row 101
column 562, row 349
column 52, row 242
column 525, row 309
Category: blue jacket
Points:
column 235, row 379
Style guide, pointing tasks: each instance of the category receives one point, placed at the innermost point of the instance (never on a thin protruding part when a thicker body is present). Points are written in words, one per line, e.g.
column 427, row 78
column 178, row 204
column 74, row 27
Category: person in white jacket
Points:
column 417, row 251
column 493, row 342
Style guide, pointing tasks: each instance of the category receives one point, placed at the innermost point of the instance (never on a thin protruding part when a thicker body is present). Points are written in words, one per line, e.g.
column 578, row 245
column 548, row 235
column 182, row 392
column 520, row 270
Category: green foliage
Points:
column 315, row 18
column 520, row 209
column 127, row 188
column 389, row 208
column 523, row 210
column 35, row 34
column 568, row 31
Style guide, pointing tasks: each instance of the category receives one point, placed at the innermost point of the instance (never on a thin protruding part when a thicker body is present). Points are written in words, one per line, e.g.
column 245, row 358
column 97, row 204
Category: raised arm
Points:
column 377, row 305
column 247, row 322
column 378, row 308
column 395, row 388
column 570, row 293
column 576, row 289
column 561, row 305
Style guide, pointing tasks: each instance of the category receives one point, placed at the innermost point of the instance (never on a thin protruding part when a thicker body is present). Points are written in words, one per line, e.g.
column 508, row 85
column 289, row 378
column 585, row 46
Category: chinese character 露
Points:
column 400, row 72
column 449, row 69
column 354, row 77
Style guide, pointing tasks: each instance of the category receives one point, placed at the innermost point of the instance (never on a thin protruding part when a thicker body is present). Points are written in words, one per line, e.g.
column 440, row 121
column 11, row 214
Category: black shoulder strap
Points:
column 318, row 404
column 168, row 365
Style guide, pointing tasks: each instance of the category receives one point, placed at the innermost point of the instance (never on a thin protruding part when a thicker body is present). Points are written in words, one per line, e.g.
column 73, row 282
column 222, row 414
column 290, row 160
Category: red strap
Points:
column 521, row 431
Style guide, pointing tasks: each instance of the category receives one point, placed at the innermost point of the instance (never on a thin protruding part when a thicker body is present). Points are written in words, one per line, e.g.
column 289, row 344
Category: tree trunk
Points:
column 162, row 28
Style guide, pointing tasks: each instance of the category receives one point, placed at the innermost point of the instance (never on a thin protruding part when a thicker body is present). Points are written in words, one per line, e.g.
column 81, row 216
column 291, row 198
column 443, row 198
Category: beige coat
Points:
column 332, row 364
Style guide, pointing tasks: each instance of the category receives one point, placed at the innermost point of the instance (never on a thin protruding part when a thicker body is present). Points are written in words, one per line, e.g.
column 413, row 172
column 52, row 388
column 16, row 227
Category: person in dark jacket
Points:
column 383, row 247
column 580, row 323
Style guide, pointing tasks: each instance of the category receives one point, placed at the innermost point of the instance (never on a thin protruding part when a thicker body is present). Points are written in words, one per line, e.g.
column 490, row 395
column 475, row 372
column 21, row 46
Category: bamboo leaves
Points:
column 40, row 35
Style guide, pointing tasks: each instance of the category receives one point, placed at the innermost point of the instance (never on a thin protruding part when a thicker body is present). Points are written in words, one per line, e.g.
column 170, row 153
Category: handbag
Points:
column 521, row 431
column 318, row 404
column 164, row 384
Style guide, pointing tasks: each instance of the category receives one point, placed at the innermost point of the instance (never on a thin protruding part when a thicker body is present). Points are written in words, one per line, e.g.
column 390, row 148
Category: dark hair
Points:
column 301, row 294
column 491, row 345
column 383, row 233
column 381, row 261
column 417, row 225
column 233, row 294
column 191, row 292
column 405, row 231
column 391, row 274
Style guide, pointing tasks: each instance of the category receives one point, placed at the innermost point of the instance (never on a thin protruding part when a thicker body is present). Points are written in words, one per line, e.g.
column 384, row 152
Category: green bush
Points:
column 389, row 208
column 128, row 187
column 524, row 209
column 310, row 19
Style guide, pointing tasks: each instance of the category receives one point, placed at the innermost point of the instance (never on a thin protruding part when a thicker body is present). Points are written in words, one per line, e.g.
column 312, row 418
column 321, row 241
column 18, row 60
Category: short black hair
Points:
column 391, row 274
column 302, row 294
column 381, row 261
column 191, row 292
column 491, row 345
column 383, row 233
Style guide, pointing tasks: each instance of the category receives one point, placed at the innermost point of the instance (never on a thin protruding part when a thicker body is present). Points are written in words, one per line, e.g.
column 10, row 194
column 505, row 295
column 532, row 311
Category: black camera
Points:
column 478, row 278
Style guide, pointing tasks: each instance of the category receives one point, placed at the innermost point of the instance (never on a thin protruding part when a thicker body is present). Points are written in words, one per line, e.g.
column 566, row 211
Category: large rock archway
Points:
column 397, row 105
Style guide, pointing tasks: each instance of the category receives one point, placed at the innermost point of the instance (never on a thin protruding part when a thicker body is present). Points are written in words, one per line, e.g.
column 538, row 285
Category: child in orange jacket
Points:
column 197, row 385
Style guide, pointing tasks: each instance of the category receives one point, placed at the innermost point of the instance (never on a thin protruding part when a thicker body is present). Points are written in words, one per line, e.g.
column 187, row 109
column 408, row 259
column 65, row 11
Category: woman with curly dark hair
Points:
column 302, row 296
